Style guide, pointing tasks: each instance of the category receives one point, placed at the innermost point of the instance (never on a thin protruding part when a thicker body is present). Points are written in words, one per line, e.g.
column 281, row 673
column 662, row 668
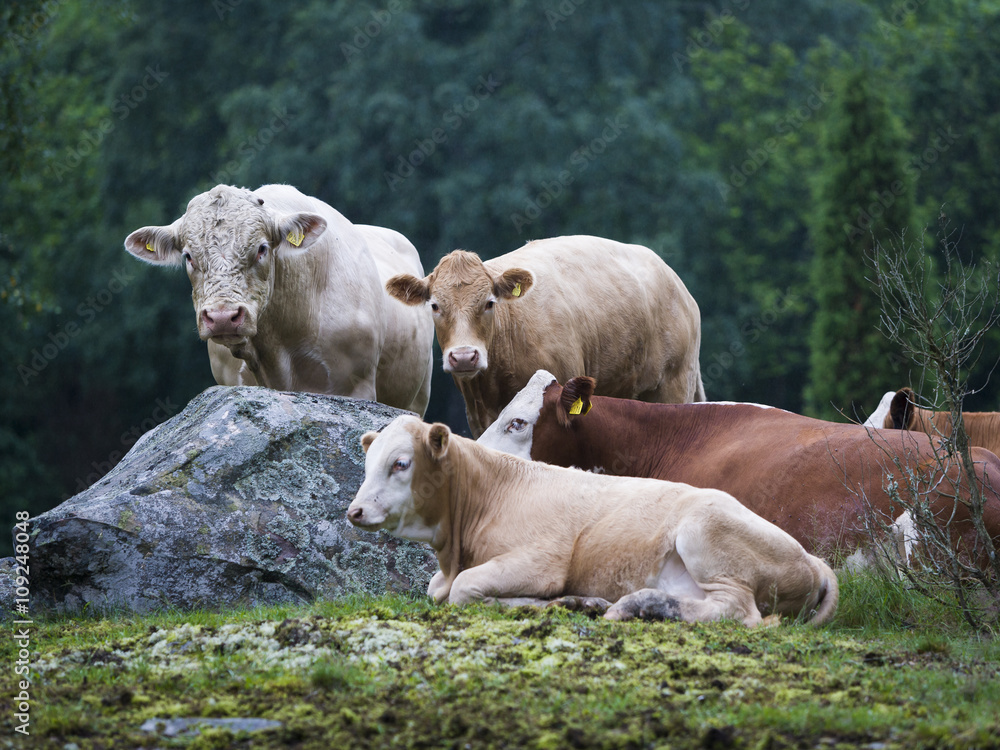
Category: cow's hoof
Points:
column 589, row 605
column 648, row 604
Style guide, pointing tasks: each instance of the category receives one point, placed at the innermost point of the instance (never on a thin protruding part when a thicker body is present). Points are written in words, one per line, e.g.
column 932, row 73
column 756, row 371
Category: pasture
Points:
column 397, row 672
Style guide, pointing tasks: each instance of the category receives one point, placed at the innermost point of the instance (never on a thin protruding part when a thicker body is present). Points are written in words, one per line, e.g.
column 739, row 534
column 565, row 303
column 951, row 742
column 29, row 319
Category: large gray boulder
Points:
column 239, row 499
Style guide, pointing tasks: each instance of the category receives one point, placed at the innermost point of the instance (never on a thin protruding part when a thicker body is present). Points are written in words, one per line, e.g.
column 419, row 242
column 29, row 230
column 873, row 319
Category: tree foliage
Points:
column 863, row 198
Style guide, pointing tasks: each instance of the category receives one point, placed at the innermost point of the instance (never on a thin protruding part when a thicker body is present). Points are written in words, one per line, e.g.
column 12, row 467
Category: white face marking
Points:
column 513, row 431
column 385, row 499
column 877, row 419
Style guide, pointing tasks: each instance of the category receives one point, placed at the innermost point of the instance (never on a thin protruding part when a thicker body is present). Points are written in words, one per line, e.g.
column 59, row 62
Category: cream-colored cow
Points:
column 574, row 305
column 291, row 295
column 504, row 527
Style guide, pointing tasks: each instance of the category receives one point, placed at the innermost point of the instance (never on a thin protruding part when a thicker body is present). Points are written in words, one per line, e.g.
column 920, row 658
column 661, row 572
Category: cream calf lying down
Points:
column 504, row 527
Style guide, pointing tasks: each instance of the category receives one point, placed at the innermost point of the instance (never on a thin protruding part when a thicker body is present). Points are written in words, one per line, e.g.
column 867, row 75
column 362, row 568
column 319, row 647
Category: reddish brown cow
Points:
column 814, row 479
column 983, row 427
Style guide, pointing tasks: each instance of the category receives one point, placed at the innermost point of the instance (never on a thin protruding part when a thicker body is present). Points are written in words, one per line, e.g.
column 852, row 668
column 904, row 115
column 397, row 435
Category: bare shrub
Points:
column 939, row 313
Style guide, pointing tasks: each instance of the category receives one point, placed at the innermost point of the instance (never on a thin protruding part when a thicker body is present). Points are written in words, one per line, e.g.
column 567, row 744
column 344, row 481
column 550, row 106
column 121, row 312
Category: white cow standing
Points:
column 290, row 295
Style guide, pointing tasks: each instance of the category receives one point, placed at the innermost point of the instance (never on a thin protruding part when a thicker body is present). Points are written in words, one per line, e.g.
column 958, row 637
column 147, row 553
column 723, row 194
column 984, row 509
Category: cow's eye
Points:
column 400, row 464
column 262, row 251
column 434, row 307
column 489, row 304
column 516, row 425
column 189, row 260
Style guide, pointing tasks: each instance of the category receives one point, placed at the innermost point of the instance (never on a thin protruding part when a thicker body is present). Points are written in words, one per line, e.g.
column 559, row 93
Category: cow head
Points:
column 902, row 410
column 403, row 474
column 229, row 240
column 464, row 297
column 539, row 422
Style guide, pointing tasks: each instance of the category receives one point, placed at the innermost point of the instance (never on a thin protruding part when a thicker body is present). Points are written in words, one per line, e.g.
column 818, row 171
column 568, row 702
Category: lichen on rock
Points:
column 239, row 499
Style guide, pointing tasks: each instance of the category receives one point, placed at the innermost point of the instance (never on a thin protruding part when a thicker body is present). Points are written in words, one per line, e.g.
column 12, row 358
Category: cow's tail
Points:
column 829, row 594
column 699, row 390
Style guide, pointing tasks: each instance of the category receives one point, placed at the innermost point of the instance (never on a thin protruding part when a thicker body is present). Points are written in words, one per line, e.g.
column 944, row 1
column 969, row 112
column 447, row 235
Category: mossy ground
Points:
column 397, row 672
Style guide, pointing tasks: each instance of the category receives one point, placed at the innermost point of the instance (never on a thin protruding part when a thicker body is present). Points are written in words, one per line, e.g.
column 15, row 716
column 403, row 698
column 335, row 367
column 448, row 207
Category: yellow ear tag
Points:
column 577, row 407
column 149, row 246
column 517, row 289
column 295, row 238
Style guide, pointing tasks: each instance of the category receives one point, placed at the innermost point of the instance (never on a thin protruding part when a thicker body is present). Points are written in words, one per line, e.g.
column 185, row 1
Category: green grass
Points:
column 889, row 672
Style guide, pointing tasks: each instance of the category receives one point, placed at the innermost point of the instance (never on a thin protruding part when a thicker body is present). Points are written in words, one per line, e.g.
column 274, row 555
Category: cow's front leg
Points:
column 251, row 361
column 512, row 575
column 438, row 588
column 362, row 385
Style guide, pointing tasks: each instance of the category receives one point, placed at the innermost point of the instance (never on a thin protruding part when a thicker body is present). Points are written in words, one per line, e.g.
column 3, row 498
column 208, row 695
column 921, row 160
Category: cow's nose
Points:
column 355, row 515
column 463, row 359
column 224, row 321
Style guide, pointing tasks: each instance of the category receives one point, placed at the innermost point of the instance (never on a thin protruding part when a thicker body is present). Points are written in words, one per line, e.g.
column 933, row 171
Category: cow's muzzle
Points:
column 464, row 361
column 361, row 517
column 223, row 323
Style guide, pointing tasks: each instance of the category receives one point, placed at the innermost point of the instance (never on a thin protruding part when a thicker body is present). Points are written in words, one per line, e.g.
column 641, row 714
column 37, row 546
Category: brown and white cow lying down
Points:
column 816, row 480
column 289, row 294
column 572, row 305
column 902, row 413
column 503, row 527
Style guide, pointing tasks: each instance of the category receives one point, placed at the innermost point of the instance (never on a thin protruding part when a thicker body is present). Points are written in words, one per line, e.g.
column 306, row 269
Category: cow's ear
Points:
column 408, row 289
column 574, row 401
column 512, row 283
column 437, row 440
column 367, row 439
column 901, row 409
column 159, row 245
column 296, row 233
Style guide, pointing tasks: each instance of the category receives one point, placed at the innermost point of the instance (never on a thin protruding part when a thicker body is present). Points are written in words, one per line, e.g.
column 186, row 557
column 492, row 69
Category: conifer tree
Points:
column 863, row 197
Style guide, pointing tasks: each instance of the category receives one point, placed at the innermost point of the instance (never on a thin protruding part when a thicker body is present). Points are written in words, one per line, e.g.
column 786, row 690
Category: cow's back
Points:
column 357, row 260
column 405, row 369
column 820, row 481
column 610, row 310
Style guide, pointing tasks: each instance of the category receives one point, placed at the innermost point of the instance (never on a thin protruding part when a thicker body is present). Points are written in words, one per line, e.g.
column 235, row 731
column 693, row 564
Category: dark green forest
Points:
column 760, row 148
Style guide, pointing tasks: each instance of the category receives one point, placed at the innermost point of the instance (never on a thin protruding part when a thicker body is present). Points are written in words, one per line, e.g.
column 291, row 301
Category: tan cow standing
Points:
column 570, row 305
column 289, row 294
column 505, row 527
